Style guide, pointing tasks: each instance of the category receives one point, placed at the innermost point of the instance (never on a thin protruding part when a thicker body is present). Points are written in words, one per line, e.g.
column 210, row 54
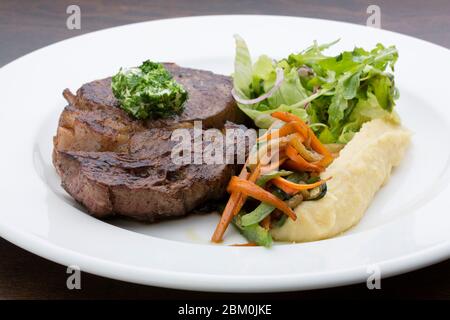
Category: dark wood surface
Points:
column 29, row 25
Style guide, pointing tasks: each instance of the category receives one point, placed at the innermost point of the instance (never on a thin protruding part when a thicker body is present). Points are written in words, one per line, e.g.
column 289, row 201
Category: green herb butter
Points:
column 148, row 91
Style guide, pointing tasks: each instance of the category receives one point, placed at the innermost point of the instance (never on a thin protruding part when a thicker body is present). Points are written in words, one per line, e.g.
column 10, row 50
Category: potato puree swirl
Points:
column 361, row 169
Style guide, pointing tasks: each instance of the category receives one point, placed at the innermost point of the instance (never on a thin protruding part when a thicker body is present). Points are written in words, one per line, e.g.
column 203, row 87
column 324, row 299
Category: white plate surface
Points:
column 406, row 227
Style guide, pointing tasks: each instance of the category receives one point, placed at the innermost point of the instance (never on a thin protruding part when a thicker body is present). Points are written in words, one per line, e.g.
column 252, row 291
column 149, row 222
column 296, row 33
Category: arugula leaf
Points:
column 384, row 90
column 338, row 105
column 351, row 85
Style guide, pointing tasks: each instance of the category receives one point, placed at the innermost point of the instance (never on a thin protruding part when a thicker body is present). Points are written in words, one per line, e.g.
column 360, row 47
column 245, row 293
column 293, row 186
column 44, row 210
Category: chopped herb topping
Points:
column 148, row 91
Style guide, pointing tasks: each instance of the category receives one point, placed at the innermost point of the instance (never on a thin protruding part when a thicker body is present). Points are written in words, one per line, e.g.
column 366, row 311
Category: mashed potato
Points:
column 362, row 167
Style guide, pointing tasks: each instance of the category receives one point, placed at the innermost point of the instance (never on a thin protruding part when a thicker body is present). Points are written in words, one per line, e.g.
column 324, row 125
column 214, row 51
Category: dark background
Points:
column 29, row 25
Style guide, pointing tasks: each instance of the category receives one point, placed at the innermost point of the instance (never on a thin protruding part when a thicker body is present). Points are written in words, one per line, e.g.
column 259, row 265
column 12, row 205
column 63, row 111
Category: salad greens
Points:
column 148, row 91
column 335, row 94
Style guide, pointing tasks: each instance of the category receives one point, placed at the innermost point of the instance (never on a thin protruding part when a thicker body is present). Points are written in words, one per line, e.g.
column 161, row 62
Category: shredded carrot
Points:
column 282, row 183
column 266, row 154
column 285, row 188
column 252, row 190
column 273, row 166
column 301, row 164
column 253, row 177
column 299, row 145
column 227, row 214
column 242, row 187
column 326, row 160
column 289, row 117
column 294, row 166
column 287, row 129
column 235, row 201
column 247, row 244
column 315, row 142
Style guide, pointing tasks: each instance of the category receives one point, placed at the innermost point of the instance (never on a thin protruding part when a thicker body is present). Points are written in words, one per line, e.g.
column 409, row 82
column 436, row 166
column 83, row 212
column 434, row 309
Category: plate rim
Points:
column 214, row 283
column 61, row 255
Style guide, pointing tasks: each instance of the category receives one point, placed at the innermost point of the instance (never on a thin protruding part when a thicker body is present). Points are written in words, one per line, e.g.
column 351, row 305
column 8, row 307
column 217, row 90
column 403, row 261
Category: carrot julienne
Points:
column 273, row 166
column 236, row 200
column 290, row 140
column 286, row 189
column 287, row 185
column 310, row 156
column 252, row 190
column 287, row 129
column 253, row 176
column 301, row 164
column 227, row 214
column 315, row 142
column 292, row 165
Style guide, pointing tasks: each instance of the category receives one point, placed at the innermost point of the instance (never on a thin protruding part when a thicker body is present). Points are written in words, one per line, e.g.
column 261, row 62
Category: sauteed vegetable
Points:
column 312, row 104
column 278, row 191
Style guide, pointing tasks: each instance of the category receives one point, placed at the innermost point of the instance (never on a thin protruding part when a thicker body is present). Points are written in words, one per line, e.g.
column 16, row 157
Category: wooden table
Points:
column 29, row 25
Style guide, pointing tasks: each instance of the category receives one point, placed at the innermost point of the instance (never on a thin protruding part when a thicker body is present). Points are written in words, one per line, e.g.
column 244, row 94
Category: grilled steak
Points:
column 144, row 184
column 93, row 120
column 114, row 164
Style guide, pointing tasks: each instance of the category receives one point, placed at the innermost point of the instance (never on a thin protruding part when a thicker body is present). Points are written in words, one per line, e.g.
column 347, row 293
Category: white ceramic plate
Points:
column 406, row 227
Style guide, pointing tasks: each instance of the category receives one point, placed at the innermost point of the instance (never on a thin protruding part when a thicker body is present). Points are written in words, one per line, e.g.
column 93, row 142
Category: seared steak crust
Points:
column 114, row 164
column 93, row 120
column 108, row 183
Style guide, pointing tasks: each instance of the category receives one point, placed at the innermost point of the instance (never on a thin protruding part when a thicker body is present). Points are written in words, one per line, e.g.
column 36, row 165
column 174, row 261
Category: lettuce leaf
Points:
column 243, row 64
column 338, row 92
